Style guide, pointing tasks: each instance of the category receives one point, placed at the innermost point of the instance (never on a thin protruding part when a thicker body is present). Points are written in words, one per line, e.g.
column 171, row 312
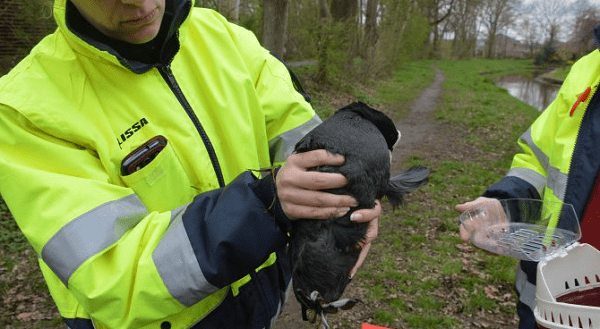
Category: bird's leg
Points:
column 324, row 324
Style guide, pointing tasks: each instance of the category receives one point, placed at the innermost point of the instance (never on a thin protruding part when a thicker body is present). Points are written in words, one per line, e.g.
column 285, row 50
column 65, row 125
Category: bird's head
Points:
column 383, row 123
column 314, row 306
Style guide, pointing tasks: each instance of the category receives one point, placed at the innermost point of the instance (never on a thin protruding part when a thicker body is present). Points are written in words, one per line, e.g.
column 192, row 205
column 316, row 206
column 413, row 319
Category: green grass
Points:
column 382, row 94
column 416, row 274
column 561, row 72
column 406, row 84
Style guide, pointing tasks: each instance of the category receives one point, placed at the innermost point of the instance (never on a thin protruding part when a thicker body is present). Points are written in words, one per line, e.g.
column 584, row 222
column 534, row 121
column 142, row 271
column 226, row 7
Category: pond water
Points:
column 533, row 91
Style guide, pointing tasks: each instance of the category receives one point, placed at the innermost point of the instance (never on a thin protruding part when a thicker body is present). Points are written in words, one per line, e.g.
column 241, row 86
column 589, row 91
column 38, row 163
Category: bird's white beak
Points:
column 398, row 140
column 395, row 144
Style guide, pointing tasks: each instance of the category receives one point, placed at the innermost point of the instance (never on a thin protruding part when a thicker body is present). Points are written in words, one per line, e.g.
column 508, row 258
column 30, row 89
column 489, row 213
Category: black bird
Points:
column 324, row 251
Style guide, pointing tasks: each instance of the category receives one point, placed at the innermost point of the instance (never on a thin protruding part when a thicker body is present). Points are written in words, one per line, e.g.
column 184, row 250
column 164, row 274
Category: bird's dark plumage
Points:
column 324, row 251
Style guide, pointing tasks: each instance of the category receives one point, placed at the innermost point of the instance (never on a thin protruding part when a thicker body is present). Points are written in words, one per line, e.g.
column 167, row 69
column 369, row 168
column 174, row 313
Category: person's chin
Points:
column 145, row 37
column 141, row 35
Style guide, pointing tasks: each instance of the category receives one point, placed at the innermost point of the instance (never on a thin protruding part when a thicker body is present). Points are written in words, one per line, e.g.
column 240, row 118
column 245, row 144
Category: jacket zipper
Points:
column 577, row 150
column 590, row 96
column 167, row 74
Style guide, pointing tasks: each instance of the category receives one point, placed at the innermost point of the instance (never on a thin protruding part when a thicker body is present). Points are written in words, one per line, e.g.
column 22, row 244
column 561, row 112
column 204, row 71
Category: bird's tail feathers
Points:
column 406, row 182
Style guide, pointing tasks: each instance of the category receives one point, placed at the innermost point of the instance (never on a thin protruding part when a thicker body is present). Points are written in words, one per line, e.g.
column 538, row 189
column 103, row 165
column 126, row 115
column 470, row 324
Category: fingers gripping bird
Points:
column 324, row 251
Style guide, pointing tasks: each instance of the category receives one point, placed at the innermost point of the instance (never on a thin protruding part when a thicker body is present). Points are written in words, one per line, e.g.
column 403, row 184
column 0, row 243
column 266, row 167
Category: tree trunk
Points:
column 323, row 41
column 229, row 9
column 345, row 12
column 437, row 11
column 324, row 13
column 370, row 38
column 274, row 29
column 411, row 5
column 342, row 10
column 491, row 42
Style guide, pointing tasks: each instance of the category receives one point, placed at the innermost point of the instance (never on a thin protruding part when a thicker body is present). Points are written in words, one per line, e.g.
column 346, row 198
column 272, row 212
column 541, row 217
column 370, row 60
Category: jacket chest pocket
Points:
column 162, row 184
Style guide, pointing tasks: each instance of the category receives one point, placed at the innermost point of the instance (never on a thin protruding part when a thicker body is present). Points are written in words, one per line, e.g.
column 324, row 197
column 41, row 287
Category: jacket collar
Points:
column 90, row 42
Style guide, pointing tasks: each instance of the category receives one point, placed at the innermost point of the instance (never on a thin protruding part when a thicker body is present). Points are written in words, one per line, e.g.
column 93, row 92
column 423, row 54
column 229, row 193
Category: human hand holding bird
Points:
column 300, row 189
column 332, row 233
column 300, row 194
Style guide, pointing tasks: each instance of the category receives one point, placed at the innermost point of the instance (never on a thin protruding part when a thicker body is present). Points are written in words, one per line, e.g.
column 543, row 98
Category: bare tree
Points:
column 370, row 30
column 274, row 28
column 370, row 36
column 496, row 15
column 587, row 19
column 403, row 33
column 323, row 41
column 463, row 25
column 437, row 12
column 553, row 15
column 530, row 31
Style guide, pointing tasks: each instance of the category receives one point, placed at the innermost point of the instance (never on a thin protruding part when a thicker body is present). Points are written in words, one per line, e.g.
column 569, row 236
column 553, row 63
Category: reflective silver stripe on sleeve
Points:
column 90, row 233
column 525, row 288
column 178, row 267
column 542, row 157
column 557, row 182
column 283, row 145
column 532, row 177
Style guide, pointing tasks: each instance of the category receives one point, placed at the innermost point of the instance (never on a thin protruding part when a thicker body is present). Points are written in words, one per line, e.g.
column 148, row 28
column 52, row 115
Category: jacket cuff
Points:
column 266, row 191
column 511, row 187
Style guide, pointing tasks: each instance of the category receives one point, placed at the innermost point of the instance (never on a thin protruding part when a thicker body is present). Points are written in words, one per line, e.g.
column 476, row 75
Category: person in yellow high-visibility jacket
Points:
column 127, row 140
column 559, row 163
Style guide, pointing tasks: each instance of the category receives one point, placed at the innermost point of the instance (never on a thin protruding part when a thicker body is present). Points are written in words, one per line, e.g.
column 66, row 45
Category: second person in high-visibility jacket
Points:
column 559, row 162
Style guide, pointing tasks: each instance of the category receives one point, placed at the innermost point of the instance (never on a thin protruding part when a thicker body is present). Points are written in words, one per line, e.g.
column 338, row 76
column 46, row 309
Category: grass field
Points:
column 419, row 274
column 425, row 277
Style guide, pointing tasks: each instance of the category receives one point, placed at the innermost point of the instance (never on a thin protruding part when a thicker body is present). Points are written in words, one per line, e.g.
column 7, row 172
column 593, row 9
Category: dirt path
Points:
column 425, row 138
column 421, row 137
column 418, row 130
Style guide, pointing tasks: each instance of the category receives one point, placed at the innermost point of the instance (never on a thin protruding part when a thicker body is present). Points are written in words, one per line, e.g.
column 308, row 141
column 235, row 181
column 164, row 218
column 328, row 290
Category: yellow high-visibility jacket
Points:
column 560, row 158
column 190, row 239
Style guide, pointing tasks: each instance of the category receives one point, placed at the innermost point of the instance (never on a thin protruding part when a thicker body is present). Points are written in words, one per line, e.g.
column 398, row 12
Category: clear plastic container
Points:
column 525, row 229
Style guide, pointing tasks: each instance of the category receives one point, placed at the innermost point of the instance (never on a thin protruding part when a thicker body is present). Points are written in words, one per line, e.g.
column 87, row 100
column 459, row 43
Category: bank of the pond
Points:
column 535, row 91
